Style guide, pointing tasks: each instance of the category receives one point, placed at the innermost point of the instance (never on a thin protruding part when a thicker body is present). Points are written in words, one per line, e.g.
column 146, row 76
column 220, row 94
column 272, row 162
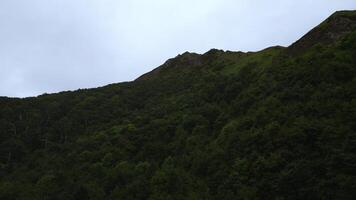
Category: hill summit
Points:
column 331, row 30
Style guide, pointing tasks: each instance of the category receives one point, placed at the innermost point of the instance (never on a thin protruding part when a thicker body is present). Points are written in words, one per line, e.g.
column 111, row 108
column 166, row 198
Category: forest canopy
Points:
column 275, row 124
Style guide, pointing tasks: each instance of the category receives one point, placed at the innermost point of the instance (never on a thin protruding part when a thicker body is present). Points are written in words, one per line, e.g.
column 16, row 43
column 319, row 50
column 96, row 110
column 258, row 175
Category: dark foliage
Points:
column 223, row 125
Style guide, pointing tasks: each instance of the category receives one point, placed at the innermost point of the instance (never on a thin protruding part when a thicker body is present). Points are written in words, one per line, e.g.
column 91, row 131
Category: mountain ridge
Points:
column 330, row 30
column 223, row 125
column 337, row 21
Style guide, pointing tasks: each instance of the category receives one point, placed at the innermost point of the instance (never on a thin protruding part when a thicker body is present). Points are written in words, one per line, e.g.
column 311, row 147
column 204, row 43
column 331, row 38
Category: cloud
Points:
column 50, row 46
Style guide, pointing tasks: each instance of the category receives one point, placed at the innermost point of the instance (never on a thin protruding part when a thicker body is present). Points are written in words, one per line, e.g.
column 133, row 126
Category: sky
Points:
column 48, row 46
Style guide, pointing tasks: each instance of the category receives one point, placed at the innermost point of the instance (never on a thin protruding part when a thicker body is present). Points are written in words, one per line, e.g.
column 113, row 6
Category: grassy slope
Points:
column 223, row 125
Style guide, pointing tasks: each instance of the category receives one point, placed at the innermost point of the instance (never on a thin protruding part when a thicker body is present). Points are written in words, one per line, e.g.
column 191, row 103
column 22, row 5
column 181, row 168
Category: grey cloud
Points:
column 50, row 46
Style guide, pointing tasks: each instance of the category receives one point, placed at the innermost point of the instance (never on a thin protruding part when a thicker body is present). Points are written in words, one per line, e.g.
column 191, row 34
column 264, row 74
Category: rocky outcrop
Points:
column 329, row 31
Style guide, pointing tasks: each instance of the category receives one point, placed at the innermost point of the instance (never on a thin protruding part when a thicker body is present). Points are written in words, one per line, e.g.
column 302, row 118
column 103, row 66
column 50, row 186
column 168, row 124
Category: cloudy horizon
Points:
column 50, row 46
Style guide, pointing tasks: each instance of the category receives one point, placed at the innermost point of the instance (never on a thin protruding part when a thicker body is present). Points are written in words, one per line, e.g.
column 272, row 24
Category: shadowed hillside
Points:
column 275, row 124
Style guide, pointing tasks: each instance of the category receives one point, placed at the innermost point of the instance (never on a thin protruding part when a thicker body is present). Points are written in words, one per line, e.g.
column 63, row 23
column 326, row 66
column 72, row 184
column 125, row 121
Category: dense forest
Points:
column 275, row 124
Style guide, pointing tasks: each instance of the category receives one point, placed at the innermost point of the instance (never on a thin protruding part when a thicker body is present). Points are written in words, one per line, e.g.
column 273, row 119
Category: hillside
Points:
column 275, row 124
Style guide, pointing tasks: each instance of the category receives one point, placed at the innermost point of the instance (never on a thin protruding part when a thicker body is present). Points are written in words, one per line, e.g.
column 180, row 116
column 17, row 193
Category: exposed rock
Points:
column 333, row 28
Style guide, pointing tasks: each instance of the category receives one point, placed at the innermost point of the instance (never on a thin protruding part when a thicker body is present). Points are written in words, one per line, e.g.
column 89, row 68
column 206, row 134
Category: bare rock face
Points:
column 332, row 29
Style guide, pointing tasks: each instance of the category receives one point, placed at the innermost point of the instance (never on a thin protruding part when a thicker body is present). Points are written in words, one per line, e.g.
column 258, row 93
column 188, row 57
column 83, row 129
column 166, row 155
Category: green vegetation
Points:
column 261, row 59
column 223, row 125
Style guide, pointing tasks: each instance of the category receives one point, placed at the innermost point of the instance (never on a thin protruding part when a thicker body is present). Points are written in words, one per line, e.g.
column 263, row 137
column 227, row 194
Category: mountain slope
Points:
column 274, row 124
column 331, row 30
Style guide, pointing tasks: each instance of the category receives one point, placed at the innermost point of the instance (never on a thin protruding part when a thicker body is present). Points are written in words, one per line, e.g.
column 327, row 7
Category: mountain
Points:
column 275, row 124
column 331, row 30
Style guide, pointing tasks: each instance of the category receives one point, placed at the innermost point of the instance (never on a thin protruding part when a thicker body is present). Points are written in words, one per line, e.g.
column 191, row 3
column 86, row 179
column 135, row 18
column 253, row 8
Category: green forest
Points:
column 278, row 124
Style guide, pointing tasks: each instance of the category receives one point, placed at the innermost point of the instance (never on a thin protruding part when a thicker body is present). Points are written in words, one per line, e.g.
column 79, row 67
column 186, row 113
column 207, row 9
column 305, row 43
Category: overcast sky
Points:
column 48, row 46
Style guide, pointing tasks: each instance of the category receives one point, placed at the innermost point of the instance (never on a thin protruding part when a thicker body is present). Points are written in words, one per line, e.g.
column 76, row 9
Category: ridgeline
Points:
column 275, row 124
